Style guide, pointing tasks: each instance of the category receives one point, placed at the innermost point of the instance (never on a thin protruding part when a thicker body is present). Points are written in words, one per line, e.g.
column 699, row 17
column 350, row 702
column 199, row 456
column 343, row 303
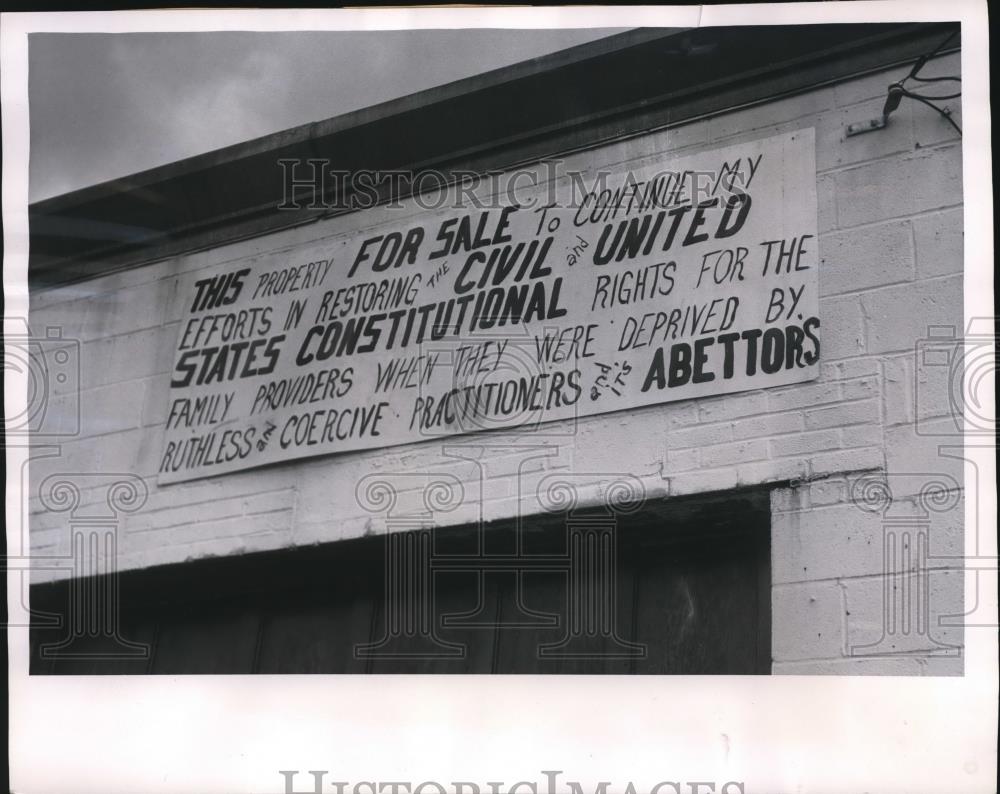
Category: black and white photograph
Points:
column 456, row 360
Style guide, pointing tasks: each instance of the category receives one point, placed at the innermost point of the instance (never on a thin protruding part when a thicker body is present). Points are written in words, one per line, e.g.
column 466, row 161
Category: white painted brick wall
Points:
column 890, row 223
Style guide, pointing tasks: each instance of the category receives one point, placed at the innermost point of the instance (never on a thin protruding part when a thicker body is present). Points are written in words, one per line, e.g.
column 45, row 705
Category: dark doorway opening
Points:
column 679, row 586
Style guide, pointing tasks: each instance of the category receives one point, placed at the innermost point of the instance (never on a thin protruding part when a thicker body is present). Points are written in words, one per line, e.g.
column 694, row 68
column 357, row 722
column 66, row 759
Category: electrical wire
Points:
column 924, row 58
column 944, row 114
column 899, row 90
column 934, row 98
column 934, row 79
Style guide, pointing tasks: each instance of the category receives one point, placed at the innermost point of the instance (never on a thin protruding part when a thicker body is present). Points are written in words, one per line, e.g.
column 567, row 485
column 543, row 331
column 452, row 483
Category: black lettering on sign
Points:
column 216, row 291
column 762, row 352
column 296, row 311
column 464, row 234
column 670, row 277
column 389, row 251
column 557, row 347
column 222, row 363
column 785, row 256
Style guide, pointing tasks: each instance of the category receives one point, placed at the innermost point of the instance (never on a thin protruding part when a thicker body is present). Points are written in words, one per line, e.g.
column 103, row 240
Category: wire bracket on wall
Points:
column 871, row 125
column 898, row 91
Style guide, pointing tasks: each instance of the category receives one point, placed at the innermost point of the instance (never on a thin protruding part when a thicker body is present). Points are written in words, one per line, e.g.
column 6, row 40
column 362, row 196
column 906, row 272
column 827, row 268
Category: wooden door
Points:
column 689, row 593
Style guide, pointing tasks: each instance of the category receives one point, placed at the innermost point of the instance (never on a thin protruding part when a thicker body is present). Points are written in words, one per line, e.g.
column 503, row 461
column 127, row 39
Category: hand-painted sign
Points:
column 675, row 280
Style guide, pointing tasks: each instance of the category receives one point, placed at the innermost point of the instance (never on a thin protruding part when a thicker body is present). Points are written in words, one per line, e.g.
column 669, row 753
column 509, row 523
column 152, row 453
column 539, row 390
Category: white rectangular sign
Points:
column 684, row 278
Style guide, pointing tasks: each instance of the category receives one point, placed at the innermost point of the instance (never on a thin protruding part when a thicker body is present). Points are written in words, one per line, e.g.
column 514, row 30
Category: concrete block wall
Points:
column 866, row 576
column 890, row 226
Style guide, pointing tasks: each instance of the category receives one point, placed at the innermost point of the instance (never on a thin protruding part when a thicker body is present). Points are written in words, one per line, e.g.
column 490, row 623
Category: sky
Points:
column 106, row 105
